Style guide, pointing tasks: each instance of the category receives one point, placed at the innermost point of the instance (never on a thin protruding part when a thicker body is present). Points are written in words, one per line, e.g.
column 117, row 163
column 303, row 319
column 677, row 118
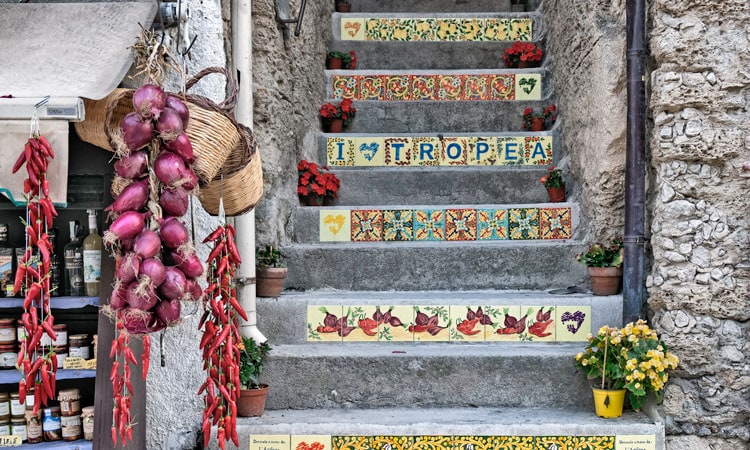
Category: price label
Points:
column 90, row 364
column 74, row 363
column 10, row 441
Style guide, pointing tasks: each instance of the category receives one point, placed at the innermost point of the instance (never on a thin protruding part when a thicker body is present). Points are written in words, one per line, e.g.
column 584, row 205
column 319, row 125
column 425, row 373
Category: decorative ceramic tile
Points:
column 460, row 224
column 537, row 150
column 483, row 152
column 507, row 325
column 473, row 29
column 605, row 443
column 523, row 223
column 448, row 29
column 450, row 86
column 555, row 223
column 360, row 320
column 454, row 150
column 475, row 87
column 431, row 323
column 394, row 323
column 424, row 30
column 513, row 442
column 391, row 442
column 423, row 87
column 350, row 442
column 335, row 225
column 367, row 225
column 467, row 323
column 270, row 442
column 340, row 151
column 429, row 225
column 398, row 225
column 501, row 87
column 492, row 224
column 540, row 324
column 433, row 443
column 371, row 87
column 527, row 313
column 369, row 151
column 322, row 323
column 510, row 150
column 528, row 86
column 575, row 443
column 519, row 29
column 352, row 29
column 635, row 442
column 494, row 30
column 573, row 323
column 426, row 151
column 345, row 86
column 397, row 87
column 398, row 151
column 311, row 442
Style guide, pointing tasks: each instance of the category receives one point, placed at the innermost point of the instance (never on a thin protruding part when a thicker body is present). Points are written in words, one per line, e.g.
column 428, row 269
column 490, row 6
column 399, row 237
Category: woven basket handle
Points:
column 231, row 100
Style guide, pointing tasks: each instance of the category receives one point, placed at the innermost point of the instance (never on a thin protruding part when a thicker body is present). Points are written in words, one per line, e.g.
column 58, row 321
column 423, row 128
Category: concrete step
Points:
column 473, row 85
column 392, row 6
column 413, row 266
column 447, row 428
column 284, row 320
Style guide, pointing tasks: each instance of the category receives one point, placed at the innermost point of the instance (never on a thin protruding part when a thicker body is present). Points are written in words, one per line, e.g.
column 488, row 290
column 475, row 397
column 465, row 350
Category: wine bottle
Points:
column 92, row 257
column 7, row 274
column 74, row 263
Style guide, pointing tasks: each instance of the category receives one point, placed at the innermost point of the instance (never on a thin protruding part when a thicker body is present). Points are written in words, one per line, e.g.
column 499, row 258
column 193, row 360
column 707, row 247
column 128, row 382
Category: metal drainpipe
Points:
column 245, row 224
column 635, row 175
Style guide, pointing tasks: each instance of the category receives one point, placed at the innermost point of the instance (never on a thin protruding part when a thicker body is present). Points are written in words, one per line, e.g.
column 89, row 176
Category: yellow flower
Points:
column 584, row 362
column 638, row 385
column 603, row 331
column 579, row 356
column 632, row 338
column 631, row 364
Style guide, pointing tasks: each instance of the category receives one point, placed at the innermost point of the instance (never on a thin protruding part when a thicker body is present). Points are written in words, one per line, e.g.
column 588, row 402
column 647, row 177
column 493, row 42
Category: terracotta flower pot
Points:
column 608, row 403
column 343, row 7
column 528, row 64
column 605, row 280
column 252, row 402
column 336, row 125
column 556, row 194
column 269, row 282
column 334, row 63
column 537, row 124
column 317, row 200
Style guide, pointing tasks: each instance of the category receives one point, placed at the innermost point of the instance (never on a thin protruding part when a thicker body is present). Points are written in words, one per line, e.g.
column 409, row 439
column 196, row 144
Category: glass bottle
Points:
column 92, row 257
column 74, row 263
column 7, row 274
column 55, row 285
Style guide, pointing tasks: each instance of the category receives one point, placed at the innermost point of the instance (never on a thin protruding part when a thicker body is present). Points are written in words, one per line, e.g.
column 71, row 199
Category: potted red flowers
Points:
column 522, row 55
column 341, row 60
column 337, row 116
column 316, row 186
column 554, row 184
column 534, row 121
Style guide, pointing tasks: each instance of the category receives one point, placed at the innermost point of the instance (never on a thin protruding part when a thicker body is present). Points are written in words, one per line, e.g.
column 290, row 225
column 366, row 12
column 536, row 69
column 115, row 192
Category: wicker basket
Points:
column 240, row 182
column 212, row 130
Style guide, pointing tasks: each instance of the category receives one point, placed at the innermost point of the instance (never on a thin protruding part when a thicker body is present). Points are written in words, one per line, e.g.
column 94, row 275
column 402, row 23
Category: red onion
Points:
column 127, row 268
column 147, row 244
column 174, row 285
column 126, row 226
column 149, row 100
column 181, row 108
column 191, row 182
column 140, row 298
column 189, row 263
column 133, row 165
column 168, row 312
column 174, row 201
column 135, row 131
column 173, row 233
column 194, row 290
column 152, row 272
column 182, row 147
column 169, row 125
column 136, row 321
column 133, row 198
column 170, row 168
column 119, row 298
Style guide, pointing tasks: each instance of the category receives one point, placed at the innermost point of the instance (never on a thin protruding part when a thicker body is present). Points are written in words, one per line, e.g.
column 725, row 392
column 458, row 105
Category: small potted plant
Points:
column 316, row 186
column 252, row 401
column 341, row 60
column 270, row 271
column 522, row 55
column 535, row 121
column 343, row 6
column 604, row 263
column 337, row 116
column 554, row 184
column 630, row 360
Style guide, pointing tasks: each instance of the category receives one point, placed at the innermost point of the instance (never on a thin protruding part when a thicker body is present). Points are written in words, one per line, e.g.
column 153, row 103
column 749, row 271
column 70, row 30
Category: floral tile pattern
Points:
column 492, row 224
column 448, row 151
column 523, row 223
column 350, row 442
column 391, row 442
column 513, row 442
column 429, row 225
column 461, row 224
column 311, row 442
column 575, row 442
column 433, row 443
column 398, row 225
column 367, row 225
column 437, row 29
column 555, row 223
column 416, row 87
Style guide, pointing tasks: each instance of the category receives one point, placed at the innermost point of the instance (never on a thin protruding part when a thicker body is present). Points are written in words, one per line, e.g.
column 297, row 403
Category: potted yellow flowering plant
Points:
column 630, row 360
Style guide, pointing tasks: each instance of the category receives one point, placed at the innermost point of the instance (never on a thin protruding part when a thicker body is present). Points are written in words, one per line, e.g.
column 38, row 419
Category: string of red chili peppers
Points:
column 221, row 357
column 37, row 359
column 122, row 394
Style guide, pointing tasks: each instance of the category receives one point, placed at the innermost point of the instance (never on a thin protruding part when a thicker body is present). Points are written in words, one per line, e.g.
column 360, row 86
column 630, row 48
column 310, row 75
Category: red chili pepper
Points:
column 233, row 252
column 46, row 147
column 146, row 358
column 20, row 274
column 21, row 159
column 215, row 251
column 214, row 235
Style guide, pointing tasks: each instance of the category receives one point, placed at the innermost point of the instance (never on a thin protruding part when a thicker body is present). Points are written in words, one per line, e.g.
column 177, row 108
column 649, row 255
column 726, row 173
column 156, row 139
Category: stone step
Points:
column 439, row 85
column 285, row 320
column 452, row 428
column 444, row 117
column 437, row 27
column 414, row 266
column 390, row 6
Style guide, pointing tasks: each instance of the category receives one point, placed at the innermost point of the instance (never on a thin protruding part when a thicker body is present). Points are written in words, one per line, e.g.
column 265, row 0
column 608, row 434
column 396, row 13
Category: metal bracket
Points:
column 245, row 281
column 284, row 16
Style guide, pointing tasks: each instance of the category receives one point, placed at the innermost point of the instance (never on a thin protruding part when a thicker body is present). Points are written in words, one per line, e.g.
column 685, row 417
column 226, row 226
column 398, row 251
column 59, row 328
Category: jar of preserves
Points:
column 18, row 427
column 51, row 425
column 61, row 336
column 70, row 402
column 16, row 407
column 34, row 433
column 71, row 428
column 7, row 331
column 29, row 399
column 87, row 417
column 5, row 427
column 20, row 331
column 78, row 346
column 62, row 354
column 8, row 356
column 4, row 407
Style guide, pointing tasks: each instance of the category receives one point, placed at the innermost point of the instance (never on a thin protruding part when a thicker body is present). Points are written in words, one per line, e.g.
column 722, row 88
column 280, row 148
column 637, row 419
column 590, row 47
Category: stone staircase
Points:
column 454, row 238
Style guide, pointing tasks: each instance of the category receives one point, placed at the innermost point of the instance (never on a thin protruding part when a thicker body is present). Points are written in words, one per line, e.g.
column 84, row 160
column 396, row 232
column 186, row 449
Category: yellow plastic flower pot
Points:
column 609, row 403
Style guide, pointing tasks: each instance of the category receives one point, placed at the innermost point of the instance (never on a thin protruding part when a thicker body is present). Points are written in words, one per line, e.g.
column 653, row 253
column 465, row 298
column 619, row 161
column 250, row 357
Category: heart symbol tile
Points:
column 369, row 151
column 335, row 223
column 576, row 318
column 352, row 28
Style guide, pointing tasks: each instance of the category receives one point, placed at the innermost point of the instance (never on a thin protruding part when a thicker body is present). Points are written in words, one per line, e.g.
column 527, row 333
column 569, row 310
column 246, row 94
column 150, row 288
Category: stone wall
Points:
column 698, row 289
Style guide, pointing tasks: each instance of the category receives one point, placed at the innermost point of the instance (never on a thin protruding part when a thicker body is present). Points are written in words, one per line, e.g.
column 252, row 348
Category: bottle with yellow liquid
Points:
column 92, row 257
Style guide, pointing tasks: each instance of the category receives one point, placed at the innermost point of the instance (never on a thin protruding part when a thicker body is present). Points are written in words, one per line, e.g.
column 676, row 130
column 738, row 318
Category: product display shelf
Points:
column 9, row 376
column 57, row 302
column 80, row 444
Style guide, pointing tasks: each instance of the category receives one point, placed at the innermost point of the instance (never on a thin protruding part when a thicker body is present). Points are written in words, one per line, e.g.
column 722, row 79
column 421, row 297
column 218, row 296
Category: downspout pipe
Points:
column 245, row 224
column 635, row 175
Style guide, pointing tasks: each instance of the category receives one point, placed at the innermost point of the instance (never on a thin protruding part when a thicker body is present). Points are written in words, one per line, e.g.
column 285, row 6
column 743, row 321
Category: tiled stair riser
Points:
column 432, row 29
column 457, row 442
column 447, row 323
column 420, row 87
column 439, row 151
column 450, row 224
